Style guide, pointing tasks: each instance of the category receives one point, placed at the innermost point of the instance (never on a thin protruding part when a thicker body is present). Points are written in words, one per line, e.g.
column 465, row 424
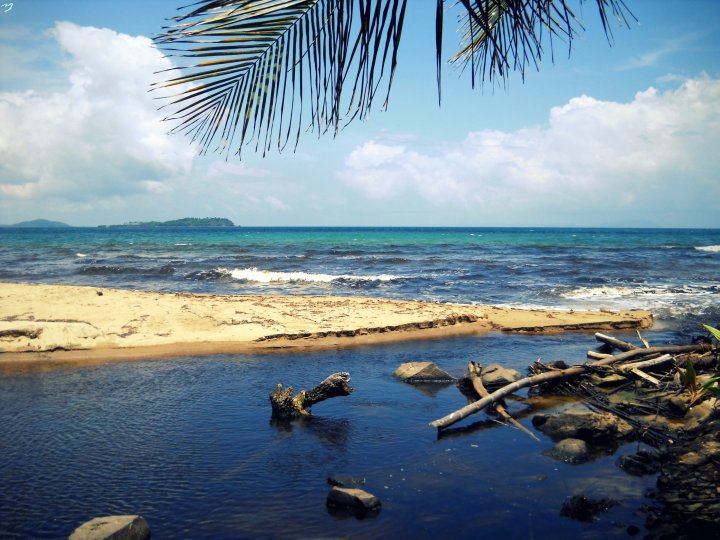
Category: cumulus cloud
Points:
column 653, row 147
column 102, row 135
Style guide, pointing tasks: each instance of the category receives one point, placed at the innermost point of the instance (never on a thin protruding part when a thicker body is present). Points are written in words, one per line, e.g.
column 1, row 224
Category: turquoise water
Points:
column 189, row 443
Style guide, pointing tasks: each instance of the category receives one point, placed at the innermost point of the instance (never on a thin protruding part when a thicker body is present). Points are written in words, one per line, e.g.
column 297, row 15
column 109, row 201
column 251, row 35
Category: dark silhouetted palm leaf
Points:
column 263, row 70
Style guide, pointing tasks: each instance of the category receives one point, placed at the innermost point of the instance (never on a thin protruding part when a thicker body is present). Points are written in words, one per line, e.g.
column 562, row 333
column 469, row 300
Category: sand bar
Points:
column 58, row 323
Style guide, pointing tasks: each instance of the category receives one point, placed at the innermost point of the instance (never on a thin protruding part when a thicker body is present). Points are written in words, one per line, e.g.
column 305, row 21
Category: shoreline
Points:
column 48, row 325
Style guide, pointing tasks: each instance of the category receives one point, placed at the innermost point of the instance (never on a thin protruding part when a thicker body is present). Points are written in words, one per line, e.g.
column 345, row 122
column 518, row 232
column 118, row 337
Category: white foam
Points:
column 266, row 276
column 183, row 244
column 586, row 293
column 711, row 249
column 675, row 299
column 81, row 255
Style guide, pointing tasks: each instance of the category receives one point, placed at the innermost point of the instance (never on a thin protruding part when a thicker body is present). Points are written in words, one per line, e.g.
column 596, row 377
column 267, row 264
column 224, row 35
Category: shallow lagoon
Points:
column 188, row 443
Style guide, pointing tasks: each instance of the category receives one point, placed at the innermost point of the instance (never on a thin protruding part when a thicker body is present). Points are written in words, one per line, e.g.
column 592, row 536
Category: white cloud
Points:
column 101, row 135
column 591, row 153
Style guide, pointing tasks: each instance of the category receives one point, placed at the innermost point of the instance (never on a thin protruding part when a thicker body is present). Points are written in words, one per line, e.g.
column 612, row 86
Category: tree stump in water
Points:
column 285, row 405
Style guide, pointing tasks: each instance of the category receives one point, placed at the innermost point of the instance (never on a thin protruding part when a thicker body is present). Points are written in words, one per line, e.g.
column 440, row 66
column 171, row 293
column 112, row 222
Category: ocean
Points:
column 188, row 442
column 673, row 272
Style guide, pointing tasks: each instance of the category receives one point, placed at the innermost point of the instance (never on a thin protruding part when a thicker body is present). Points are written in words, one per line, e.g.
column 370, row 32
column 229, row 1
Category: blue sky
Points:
column 626, row 135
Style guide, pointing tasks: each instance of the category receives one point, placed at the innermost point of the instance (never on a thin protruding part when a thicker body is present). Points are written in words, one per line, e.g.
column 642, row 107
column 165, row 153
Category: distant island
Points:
column 39, row 224
column 184, row 222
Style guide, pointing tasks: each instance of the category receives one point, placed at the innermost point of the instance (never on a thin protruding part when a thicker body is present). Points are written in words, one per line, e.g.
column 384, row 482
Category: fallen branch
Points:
column 475, row 377
column 665, row 358
column 284, row 405
column 496, row 396
column 614, row 342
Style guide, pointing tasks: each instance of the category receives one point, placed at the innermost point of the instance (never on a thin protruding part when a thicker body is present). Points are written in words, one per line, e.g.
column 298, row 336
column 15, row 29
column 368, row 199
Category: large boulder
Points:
column 113, row 528
column 495, row 376
column 422, row 372
column 589, row 426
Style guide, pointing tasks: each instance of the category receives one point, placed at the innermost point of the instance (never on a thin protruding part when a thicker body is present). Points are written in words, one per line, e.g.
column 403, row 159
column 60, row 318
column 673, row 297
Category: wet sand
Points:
column 51, row 324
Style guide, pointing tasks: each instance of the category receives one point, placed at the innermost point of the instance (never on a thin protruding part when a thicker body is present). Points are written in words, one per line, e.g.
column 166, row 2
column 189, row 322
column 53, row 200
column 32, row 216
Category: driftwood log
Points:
column 496, row 396
column 474, row 377
column 615, row 343
column 285, row 405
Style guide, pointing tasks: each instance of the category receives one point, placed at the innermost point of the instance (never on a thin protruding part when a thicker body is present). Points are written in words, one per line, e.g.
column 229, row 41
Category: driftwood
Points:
column 665, row 358
column 614, row 342
column 285, row 405
column 481, row 404
column 593, row 355
column 474, row 375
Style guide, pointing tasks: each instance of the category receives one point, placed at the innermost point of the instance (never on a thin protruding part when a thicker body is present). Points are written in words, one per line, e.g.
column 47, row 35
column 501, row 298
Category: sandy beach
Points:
column 56, row 323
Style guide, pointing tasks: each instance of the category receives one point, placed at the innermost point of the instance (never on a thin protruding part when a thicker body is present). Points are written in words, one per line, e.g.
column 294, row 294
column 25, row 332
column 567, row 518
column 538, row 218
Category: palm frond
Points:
column 259, row 67
column 500, row 36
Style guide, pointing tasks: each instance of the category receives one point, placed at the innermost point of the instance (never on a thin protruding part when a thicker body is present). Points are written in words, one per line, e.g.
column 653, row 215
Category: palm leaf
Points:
column 263, row 70
column 714, row 331
column 499, row 36
column 259, row 67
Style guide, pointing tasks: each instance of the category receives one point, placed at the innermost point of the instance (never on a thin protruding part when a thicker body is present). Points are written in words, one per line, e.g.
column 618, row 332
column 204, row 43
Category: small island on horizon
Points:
column 183, row 222
column 38, row 224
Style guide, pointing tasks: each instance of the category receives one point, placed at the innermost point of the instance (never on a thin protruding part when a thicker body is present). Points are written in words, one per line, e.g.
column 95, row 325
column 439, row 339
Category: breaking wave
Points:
column 266, row 276
column 711, row 249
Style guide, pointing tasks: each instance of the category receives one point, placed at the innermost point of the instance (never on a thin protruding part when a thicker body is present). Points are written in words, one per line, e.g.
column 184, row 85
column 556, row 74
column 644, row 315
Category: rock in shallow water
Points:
column 352, row 498
column 422, row 372
column 570, row 451
column 495, row 375
column 582, row 508
column 113, row 528
column 589, row 426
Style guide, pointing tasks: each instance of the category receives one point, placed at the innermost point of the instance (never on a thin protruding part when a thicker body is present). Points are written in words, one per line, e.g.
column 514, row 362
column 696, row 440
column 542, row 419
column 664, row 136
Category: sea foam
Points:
column 266, row 276
column 711, row 249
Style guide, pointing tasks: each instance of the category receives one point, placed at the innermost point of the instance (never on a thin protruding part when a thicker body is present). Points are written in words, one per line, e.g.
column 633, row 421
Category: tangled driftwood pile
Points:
column 664, row 396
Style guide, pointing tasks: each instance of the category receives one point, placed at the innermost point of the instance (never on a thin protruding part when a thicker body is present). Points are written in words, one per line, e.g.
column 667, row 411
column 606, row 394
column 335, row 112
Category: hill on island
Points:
column 184, row 222
column 39, row 224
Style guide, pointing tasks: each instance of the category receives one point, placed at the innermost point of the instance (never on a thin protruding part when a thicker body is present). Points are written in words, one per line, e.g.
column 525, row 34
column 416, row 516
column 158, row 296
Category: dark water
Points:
column 189, row 444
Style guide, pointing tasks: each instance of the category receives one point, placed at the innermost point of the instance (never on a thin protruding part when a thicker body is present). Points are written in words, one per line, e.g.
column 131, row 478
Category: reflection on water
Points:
column 189, row 444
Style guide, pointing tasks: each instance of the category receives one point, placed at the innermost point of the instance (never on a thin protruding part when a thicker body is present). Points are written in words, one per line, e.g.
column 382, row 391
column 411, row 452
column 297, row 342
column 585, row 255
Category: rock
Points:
column 678, row 404
column 352, row 498
column 640, row 464
column 495, row 375
column 570, row 451
column 343, row 480
column 581, row 508
column 691, row 458
column 589, row 426
column 701, row 413
column 422, row 372
column 113, row 528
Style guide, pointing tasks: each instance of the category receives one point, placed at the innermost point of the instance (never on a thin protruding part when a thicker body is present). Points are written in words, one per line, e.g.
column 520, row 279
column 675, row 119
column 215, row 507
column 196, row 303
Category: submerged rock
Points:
column 581, row 508
column 589, row 426
column 640, row 464
column 113, row 528
column 422, row 372
column 495, row 375
column 570, row 451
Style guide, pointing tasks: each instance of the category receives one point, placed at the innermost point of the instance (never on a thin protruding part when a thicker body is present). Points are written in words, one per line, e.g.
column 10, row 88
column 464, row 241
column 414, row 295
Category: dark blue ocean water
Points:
column 189, row 443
